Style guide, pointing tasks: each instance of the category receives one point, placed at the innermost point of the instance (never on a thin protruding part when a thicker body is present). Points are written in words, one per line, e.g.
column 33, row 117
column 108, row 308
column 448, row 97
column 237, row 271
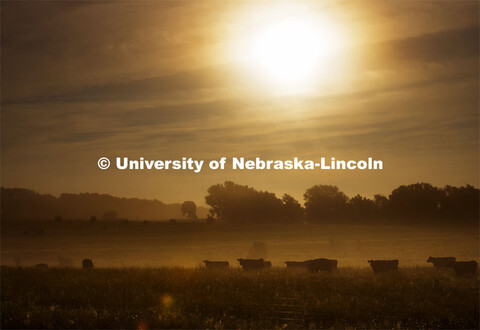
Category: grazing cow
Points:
column 314, row 265
column 87, row 263
column 216, row 264
column 381, row 266
column 254, row 264
column 321, row 264
column 41, row 266
column 441, row 262
column 463, row 267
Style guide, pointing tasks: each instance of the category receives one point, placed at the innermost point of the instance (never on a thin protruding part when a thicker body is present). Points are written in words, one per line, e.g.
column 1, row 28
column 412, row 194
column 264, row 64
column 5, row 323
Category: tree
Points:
column 210, row 217
column 419, row 199
column 237, row 203
column 361, row 207
column 461, row 202
column 189, row 209
column 325, row 202
column 292, row 209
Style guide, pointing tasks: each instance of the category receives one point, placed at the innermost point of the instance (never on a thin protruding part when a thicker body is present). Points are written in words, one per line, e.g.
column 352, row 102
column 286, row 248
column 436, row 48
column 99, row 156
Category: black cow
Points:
column 465, row 268
column 321, row 264
column 41, row 266
column 314, row 265
column 87, row 263
column 216, row 264
column 381, row 266
column 254, row 264
column 441, row 262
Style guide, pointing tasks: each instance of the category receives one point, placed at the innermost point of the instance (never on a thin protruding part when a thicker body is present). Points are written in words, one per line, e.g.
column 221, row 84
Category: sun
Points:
column 286, row 50
column 294, row 51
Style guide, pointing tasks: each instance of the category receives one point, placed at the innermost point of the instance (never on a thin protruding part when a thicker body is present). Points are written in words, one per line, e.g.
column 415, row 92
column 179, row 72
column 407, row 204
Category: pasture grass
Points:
column 198, row 298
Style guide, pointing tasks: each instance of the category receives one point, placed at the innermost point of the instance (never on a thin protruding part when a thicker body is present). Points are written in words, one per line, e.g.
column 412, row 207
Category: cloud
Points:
column 135, row 80
column 438, row 47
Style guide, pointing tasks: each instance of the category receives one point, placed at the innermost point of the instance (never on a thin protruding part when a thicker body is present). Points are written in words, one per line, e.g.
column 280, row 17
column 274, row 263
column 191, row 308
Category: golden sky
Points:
column 393, row 80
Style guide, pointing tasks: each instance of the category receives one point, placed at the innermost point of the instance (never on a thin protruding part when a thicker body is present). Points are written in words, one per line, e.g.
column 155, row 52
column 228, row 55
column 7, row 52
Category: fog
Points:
column 187, row 244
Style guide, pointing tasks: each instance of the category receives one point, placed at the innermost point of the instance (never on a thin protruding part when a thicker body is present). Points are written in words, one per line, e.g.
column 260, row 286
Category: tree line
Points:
column 236, row 203
column 19, row 203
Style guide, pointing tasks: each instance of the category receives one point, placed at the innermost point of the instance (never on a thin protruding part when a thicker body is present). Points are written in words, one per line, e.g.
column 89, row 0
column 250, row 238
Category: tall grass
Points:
column 198, row 298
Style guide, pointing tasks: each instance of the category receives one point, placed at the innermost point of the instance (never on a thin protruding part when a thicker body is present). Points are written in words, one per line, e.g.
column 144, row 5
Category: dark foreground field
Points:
column 197, row 298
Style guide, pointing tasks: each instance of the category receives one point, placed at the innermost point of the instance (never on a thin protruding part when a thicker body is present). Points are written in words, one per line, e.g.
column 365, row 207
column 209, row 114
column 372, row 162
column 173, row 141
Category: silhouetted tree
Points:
column 419, row 199
column 26, row 204
column 325, row 202
column 189, row 209
column 381, row 204
column 361, row 207
column 237, row 203
column 210, row 218
column 461, row 202
column 292, row 209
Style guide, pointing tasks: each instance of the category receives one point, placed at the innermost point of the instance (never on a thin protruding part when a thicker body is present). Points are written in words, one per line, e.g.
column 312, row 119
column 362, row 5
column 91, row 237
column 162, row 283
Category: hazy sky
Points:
column 164, row 80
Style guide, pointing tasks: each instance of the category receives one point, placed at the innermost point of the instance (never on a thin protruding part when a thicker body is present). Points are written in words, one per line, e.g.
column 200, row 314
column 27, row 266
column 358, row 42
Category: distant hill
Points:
column 19, row 203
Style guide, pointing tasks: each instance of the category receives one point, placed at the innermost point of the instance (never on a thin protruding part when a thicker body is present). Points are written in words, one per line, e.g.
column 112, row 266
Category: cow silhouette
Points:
column 41, row 266
column 441, row 262
column 321, row 264
column 464, row 268
column 87, row 263
column 314, row 265
column 382, row 266
column 254, row 264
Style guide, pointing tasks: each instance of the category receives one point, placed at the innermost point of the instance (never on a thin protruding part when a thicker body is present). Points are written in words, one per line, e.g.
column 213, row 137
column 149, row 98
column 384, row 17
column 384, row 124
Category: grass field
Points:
column 198, row 298
column 152, row 276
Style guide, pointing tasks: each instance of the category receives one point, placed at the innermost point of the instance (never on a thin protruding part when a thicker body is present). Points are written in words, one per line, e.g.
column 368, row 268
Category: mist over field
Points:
column 152, row 276
column 410, row 224
column 78, row 263
column 113, row 244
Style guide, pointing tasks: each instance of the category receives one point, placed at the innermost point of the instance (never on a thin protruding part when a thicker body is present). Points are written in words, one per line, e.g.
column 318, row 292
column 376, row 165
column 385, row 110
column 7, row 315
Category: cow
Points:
column 314, row 265
column 381, row 266
column 441, row 262
column 254, row 264
column 87, row 263
column 463, row 268
column 41, row 266
column 216, row 264
column 321, row 264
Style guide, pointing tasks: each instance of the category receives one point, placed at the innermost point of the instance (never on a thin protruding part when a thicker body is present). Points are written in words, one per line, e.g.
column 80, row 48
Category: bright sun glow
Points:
column 295, row 50
column 292, row 48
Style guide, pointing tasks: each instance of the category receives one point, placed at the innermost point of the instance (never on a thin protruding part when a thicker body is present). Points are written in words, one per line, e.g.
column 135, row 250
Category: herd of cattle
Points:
column 329, row 265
